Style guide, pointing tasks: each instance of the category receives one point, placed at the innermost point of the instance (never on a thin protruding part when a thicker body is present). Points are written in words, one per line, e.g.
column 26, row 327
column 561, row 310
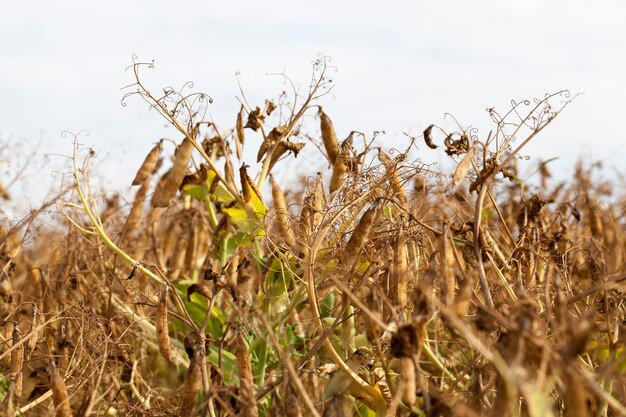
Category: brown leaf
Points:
column 255, row 119
column 247, row 185
column 428, row 138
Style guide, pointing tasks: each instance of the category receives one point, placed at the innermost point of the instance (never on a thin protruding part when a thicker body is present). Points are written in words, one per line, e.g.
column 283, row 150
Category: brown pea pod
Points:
column 162, row 332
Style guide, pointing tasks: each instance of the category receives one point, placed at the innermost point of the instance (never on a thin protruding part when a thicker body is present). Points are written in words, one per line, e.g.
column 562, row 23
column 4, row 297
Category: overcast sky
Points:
column 401, row 65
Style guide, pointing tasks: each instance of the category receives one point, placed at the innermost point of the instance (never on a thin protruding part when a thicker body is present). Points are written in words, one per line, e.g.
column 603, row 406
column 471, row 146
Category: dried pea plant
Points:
column 379, row 287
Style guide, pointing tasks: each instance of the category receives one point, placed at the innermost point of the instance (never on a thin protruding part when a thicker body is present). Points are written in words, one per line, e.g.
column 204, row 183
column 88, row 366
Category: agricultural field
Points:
column 380, row 286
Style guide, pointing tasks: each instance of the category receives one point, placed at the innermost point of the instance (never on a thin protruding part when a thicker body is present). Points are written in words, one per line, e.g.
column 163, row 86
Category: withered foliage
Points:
column 380, row 287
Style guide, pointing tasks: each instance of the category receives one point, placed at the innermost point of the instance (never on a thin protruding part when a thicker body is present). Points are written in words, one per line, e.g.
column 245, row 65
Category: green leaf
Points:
column 327, row 305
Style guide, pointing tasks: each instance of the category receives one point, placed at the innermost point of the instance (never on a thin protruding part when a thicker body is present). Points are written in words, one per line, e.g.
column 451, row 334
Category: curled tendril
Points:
column 473, row 133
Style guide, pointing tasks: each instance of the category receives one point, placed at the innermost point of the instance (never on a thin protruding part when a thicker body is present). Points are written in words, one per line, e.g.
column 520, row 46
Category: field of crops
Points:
column 380, row 286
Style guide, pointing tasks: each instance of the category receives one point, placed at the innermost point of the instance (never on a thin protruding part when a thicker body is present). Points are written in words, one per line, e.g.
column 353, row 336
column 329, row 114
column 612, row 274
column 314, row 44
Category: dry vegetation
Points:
column 378, row 288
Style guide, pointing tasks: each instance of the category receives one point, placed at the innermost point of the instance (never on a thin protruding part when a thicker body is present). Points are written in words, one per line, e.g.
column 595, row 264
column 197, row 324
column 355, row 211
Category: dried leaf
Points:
column 255, row 119
column 203, row 290
column 248, row 188
column 428, row 138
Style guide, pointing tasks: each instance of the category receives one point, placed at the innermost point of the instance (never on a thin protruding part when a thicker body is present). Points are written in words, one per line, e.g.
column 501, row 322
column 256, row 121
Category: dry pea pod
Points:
column 329, row 137
column 407, row 383
column 406, row 345
column 4, row 193
column 339, row 168
column 6, row 289
column 278, row 133
column 316, row 200
column 16, row 372
column 170, row 182
column 59, row 393
column 283, row 146
column 149, row 164
column 292, row 404
column 193, row 380
column 449, row 279
column 162, row 332
column 280, row 208
column 396, row 182
column 359, row 236
column 400, row 271
column 246, row 384
column 240, row 135
column 35, row 321
column 191, row 252
column 462, row 167
column 137, row 209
